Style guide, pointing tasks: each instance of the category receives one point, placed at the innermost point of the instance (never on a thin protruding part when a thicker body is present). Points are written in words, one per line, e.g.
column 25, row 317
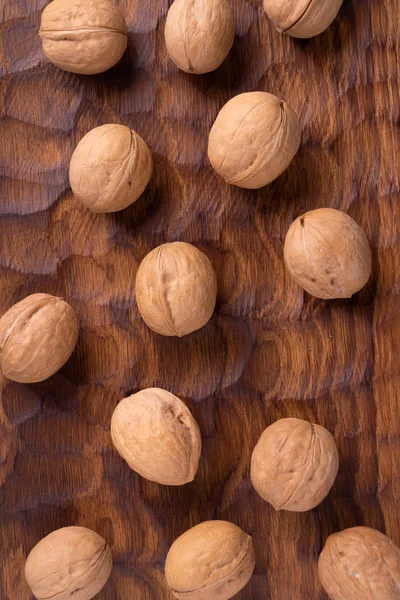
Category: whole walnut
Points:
column 158, row 437
column 83, row 36
column 199, row 34
column 360, row 564
column 253, row 139
column 72, row 563
column 176, row 289
column 212, row 560
column 294, row 464
column 110, row 168
column 302, row 18
column 37, row 336
column 328, row 254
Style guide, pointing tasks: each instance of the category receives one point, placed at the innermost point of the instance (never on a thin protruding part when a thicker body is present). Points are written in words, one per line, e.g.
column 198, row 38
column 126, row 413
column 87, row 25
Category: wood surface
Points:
column 269, row 351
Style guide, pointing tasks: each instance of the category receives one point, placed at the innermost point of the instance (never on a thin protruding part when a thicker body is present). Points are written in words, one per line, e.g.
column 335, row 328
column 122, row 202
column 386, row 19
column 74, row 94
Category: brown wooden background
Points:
column 269, row 351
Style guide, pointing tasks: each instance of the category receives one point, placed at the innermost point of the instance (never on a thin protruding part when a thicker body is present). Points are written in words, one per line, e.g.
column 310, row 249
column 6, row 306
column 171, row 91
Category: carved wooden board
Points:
column 269, row 351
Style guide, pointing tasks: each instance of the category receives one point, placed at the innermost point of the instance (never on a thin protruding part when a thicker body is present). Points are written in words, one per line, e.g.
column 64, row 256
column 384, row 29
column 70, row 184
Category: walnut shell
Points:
column 83, row 37
column 110, row 168
column 72, row 563
column 294, row 464
column 158, row 437
column 37, row 336
column 212, row 560
column 360, row 564
column 199, row 34
column 253, row 139
column 328, row 254
column 176, row 289
column 302, row 18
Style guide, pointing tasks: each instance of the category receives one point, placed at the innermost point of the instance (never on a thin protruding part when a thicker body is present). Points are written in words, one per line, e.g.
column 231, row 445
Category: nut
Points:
column 302, row 18
column 37, row 336
column 176, row 289
column 294, row 464
column 328, row 254
column 110, row 168
column 157, row 436
column 360, row 564
column 212, row 560
column 83, row 37
column 72, row 563
column 253, row 139
column 199, row 34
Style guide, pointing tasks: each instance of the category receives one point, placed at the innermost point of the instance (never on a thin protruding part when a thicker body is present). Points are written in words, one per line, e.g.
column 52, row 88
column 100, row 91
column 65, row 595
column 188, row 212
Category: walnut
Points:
column 110, row 168
column 37, row 336
column 199, row 34
column 328, row 254
column 176, row 289
column 253, row 139
column 212, row 560
column 294, row 464
column 302, row 18
column 157, row 436
column 72, row 563
column 84, row 37
column 360, row 564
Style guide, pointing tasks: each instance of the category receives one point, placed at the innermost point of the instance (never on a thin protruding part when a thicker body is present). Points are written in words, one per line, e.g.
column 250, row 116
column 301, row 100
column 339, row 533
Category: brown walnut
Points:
column 83, row 36
column 328, row 254
column 110, row 168
column 199, row 34
column 253, row 139
column 302, row 18
column 212, row 560
column 158, row 437
column 360, row 564
column 294, row 464
column 72, row 563
column 176, row 289
column 37, row 336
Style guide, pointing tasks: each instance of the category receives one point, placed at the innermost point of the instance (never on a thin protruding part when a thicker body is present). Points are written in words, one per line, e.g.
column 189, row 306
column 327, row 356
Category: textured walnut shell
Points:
column 158, row 437
column 328, row 254
column 302, row 18
column 294, row 464
column 110, row 168
column 84, row 37
column 199, row 34
column 72, row 563
column 360, row 564
column 253, row 139
column 212, row 560
column 176, row 289
column 37, row 336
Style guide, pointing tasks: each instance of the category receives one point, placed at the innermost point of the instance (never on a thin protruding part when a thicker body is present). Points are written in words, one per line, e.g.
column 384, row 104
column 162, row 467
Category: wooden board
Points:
column 269, row 351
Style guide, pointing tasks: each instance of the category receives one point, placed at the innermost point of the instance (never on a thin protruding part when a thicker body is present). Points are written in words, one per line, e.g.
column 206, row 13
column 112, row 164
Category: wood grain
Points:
column 269, row 351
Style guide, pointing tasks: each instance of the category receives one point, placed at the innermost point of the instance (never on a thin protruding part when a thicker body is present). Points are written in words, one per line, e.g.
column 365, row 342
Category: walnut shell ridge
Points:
column 176, row 289
column 110, row 168
column 72, row 563
column 157, row 435
column 212, row 560
column 83, row 37
column 199, row 34
column 360, row 564
column 253, row 139
column 37, row 336
column 302, row 18
column 294, row 464
column 328, row 254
